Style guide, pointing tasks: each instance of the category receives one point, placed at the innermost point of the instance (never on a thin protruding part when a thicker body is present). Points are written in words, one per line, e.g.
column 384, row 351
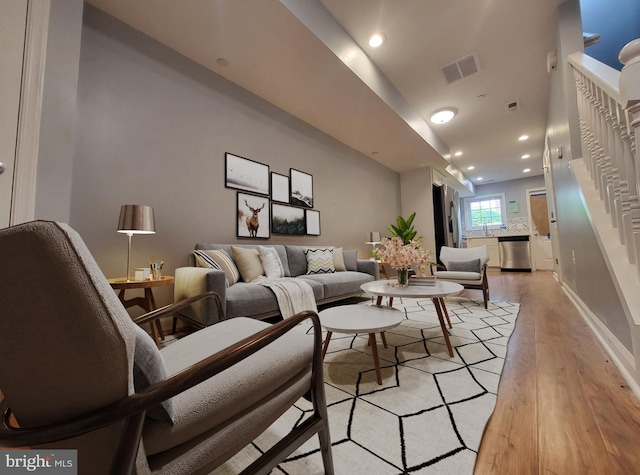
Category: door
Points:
column 541, row 245
column 12, row 35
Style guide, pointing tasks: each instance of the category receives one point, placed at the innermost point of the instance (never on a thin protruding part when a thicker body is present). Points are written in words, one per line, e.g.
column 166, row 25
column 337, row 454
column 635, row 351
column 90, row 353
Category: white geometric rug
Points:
column 429, row 414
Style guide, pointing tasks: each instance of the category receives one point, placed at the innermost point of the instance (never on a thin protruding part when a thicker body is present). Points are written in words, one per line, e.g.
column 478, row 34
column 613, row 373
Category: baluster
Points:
column 630, row 91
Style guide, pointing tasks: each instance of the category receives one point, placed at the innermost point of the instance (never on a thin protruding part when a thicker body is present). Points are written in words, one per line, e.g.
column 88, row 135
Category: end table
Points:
column 147, row 302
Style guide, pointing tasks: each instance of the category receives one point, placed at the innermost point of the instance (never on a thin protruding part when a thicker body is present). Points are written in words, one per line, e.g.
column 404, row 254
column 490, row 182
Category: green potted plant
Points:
column 404, row 229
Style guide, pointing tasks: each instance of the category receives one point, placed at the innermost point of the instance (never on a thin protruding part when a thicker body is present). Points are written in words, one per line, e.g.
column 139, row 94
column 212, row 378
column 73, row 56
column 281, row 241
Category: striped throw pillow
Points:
column 319, row 261
column 218, row 260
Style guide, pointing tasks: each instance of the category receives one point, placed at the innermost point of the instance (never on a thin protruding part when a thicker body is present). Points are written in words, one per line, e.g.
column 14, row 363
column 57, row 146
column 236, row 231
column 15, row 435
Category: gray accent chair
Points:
column 77, row 372
column 467, row 267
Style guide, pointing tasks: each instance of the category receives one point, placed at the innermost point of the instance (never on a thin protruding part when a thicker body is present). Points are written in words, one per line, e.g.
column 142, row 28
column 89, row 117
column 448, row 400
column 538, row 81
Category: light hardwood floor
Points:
column 562, row 407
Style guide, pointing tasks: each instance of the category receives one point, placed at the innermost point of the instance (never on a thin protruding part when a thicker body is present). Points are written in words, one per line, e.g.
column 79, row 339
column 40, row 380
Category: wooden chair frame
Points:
column 132, row 408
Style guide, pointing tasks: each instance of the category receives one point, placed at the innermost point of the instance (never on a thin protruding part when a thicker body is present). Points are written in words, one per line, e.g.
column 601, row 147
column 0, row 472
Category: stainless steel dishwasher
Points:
column 515, row 253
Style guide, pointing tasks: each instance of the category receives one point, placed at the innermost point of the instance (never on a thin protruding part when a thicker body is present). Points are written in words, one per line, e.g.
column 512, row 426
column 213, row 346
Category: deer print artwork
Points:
column 252, row 221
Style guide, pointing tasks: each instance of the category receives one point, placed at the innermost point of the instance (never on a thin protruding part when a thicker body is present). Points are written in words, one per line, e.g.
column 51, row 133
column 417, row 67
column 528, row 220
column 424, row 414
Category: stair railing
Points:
column 609, row 112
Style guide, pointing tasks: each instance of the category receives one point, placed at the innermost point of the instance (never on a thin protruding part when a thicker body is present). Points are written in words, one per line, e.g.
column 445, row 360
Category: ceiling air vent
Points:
column 512, row 106
column 461, row 68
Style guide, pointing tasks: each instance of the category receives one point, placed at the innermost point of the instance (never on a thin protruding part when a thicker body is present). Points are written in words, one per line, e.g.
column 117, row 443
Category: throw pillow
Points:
column 248, row 262
column 319, row 261
column 149, row 369
column 218, row 260
column 350, row 260
column 271, row 262
column 464, row 266
column 338, row 260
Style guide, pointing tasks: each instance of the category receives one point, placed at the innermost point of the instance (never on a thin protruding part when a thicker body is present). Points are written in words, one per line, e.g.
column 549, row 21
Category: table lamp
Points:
column 135, row 219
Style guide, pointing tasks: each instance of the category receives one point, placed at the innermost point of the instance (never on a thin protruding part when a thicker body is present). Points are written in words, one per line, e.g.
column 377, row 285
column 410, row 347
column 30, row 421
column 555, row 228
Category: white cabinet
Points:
column 492, row 247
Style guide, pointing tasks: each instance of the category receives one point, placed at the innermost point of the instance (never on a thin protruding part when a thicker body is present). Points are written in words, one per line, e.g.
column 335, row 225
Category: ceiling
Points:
column 311, row 58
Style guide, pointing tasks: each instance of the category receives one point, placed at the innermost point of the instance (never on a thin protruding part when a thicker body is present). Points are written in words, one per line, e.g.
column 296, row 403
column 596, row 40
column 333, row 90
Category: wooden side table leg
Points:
column 384, row 339
column 325, row 345
column 445, row 332
column 376, row 361
column 151, row 305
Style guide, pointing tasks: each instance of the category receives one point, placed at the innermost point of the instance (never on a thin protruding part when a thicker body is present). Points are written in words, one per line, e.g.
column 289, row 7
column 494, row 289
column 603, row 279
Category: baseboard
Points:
column 621, row 356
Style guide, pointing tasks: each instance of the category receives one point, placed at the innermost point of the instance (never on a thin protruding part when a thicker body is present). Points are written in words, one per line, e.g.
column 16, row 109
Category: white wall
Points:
column 153, row 128
column 57, row 130
column 417, row 197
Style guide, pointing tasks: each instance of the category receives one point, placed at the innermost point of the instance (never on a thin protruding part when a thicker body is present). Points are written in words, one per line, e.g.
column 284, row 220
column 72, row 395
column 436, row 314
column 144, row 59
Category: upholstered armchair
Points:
column 465, row 266
column 77, row 373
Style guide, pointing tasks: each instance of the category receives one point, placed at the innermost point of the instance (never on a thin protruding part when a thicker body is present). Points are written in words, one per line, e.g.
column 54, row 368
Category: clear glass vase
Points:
column 403, row 277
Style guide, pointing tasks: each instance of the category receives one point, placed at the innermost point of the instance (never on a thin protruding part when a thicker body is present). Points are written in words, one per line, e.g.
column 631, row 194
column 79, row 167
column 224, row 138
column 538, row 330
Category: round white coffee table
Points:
column 360, row 319
column 390, row 288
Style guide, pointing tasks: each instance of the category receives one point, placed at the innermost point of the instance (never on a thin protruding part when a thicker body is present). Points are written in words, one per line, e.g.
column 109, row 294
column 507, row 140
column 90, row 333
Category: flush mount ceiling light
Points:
column 458, row 153
column 525, row 156
column 443, row 116
column 479, row 178
column 522, row 138
column 471, row 167
column 526, row 170
column 376, row 40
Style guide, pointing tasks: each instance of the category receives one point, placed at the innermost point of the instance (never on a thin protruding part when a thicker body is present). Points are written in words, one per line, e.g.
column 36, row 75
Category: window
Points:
column 484, row 210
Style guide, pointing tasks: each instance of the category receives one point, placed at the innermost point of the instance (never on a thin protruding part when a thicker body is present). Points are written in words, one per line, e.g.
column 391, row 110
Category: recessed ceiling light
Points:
column 224, row 62
column 443, row 115
column 458, row 153
column 523, row 138
column 525, row 156
column 479, row 178
column 471, row 167
column 526, row 170
column 376, row 40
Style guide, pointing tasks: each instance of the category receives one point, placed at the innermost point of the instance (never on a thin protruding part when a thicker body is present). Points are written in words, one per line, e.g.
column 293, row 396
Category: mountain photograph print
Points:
column 301, row 188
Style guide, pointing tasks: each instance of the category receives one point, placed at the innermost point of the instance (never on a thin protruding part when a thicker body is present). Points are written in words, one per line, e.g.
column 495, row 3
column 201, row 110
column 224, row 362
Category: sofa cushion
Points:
column 339, row 283
column 472, row 265
column 246, row 300
column 319, row 261
column 338, row 260
column 218, row 260
column 350, row 260
column 248, row 262
column 280, row 249
column 297, row 260
column 271, row 262
column 149, row 369
column 460, row 277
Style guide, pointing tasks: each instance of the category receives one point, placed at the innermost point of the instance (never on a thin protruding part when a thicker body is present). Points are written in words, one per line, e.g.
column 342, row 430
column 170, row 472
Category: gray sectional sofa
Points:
column 248, row 299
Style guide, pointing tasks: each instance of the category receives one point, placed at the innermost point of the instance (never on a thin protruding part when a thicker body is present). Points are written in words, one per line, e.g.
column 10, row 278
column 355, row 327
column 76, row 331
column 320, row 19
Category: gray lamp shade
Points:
column 136, row 219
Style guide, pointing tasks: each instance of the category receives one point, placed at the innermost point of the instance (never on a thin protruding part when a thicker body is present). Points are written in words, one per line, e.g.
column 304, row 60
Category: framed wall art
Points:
column 253, row 216
column 312, row 222
column 287, row 219
column 244, row 174
column 279, row 188
column 301, row 188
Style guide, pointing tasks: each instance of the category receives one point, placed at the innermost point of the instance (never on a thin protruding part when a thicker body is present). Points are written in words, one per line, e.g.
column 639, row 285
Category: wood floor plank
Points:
column 558, row 387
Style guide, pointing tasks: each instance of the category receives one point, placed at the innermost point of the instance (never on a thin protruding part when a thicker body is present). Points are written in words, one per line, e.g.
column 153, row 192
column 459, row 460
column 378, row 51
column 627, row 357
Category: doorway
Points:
column 541, row 244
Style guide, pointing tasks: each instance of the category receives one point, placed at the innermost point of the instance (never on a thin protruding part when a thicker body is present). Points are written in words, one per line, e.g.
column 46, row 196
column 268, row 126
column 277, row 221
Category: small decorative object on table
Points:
column 401, row 256
column 156, row 269
column 403, row 249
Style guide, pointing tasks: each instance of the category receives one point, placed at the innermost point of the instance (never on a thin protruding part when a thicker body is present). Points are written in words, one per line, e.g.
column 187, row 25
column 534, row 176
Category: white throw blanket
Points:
column 294, row 295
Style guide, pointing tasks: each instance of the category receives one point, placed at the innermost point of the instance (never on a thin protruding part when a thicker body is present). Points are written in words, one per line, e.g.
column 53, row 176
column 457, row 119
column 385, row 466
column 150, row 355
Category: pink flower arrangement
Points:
column 401, row 256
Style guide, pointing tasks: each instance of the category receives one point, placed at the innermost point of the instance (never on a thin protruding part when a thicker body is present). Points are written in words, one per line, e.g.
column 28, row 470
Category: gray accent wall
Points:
column 153, row 127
